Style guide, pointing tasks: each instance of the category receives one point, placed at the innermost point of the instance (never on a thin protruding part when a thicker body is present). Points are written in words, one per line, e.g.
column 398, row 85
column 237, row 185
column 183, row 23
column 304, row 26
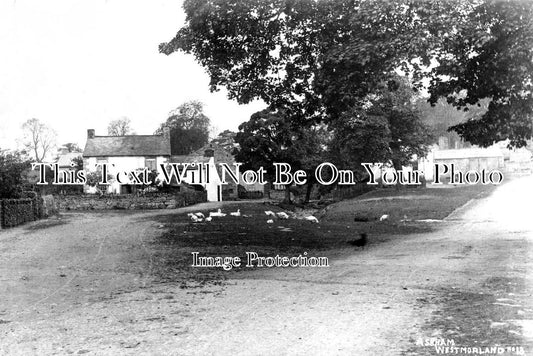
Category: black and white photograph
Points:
column 266, row 177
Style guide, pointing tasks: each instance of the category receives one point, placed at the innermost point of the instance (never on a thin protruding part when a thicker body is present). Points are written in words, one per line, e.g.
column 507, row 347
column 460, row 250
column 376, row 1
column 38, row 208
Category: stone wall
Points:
column 49, row 206
column 130, row 201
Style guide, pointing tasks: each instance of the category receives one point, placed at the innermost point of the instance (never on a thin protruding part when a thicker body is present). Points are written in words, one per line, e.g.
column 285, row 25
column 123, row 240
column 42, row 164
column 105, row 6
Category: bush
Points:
column 12, row 165
column 256, row 194
column 190, row 198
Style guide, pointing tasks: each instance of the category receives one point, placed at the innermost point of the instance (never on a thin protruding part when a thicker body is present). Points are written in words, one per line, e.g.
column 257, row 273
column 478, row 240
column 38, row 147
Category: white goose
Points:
column 282, row 215
column 218, row 213
column 311, row 218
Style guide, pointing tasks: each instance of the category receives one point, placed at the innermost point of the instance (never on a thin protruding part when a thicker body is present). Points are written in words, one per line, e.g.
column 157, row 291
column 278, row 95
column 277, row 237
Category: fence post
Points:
column 1, row 214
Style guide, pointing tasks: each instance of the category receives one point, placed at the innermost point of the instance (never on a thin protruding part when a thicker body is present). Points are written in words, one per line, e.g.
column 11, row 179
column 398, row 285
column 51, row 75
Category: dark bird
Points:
column 360, row 242
column 360, row 218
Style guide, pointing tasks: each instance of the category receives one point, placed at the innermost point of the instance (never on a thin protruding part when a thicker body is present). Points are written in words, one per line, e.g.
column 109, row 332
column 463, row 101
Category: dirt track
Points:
column 83, row 285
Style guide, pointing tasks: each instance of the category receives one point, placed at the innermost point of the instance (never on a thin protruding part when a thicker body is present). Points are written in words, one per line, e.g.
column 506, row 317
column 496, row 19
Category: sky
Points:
column 78, row 64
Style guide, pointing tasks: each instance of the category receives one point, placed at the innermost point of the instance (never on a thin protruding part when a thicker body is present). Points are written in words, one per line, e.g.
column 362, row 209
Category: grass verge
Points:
column 234, row 236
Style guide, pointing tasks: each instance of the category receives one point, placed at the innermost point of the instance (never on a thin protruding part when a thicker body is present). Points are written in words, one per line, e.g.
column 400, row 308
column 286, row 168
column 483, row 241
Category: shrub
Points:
column 12, row 165
column 256, row 194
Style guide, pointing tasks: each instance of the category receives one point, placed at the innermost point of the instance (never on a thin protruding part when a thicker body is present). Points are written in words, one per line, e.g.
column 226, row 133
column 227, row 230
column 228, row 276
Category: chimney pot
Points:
column 90, row 133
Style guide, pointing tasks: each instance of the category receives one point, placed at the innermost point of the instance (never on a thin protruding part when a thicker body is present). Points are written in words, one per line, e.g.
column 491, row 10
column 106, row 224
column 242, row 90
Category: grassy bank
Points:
column 408, row 204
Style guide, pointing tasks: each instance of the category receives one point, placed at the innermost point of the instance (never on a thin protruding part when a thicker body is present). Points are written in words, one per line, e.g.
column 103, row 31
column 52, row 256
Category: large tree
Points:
column 255, row 50
column 489, row 55
column 386, row 127
column 269, row 137
column 120, row 127
column 189, row 128
column 300, row 55
column 39, row 139
column 441, row 116
column 226, row 140
column 319, row 59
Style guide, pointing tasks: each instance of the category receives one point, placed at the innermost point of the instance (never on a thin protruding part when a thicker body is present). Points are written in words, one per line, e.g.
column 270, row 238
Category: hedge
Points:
column 254, row 194
column 31, row 207
column 190, row 198
column 17, row 211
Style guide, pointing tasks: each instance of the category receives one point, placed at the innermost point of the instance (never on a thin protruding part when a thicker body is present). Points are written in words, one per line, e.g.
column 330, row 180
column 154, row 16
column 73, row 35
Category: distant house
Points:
column 65, row 159
column 464, row 159
column 517, row 160
column 213, row 154
column 126, row 154
column 210, row 179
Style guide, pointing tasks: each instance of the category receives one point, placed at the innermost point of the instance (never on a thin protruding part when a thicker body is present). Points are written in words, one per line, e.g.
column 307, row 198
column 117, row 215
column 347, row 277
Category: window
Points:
column 150, row 164
column 100, row 162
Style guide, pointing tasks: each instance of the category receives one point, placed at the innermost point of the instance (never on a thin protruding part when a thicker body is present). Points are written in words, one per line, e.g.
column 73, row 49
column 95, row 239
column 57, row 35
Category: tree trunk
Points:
column 398, row 167
column 308, row 192
column 287, row 194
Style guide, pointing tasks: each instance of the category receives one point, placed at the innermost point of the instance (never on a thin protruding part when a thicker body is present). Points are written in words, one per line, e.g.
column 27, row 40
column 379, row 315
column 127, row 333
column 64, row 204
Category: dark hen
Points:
column 360, row 242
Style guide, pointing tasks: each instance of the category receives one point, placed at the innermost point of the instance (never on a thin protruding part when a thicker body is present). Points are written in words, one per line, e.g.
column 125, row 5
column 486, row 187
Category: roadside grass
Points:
column 234, row 236
column 408, row 204
column 46, row 223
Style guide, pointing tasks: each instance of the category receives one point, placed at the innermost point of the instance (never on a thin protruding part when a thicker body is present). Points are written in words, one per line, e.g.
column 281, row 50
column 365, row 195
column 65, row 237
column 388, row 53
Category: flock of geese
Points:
column 361, row 241
column 200, row 217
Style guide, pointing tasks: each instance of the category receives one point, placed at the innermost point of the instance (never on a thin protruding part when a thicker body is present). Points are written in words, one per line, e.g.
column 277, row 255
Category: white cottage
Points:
column 126, row 153
column 465, row 159
column 212, row 155
column 211, row 182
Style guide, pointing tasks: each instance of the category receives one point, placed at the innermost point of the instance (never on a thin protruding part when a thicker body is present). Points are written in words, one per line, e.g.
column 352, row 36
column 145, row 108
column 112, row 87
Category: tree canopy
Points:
column 268, row 137
column 318, row 60
column 120, row 127
column 386, row 127
column 72, row 147
column 226, row 140
column 189, row 128
column 490, row 55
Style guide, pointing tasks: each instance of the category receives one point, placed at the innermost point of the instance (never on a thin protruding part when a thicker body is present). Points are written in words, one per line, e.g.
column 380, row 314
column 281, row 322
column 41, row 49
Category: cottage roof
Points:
column 131, row 145
column 222, row 154
column 65, row 159
column 191, row 158
column 468, row 153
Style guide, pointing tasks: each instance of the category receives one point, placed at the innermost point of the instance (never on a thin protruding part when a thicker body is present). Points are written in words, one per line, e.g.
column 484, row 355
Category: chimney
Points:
column 166, row 132
column 90, row 133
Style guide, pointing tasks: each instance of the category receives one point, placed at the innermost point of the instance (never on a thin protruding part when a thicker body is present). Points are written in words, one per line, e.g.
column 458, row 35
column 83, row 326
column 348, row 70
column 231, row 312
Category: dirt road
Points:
column 82, row 284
